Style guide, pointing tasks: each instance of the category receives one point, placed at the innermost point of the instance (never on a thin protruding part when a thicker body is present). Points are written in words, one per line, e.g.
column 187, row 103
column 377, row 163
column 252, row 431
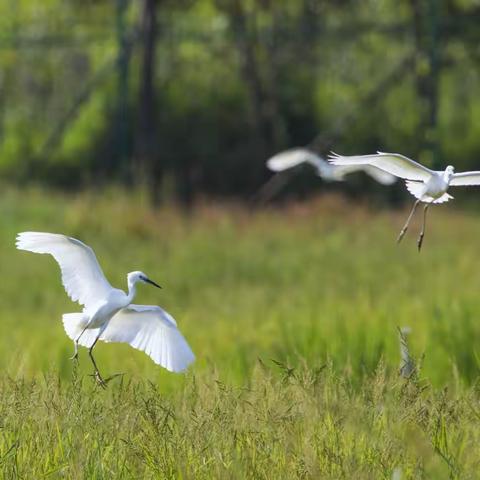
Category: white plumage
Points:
column 153, row 331
column 331, row 173
column 465, row 179
column 427, row 186
column 108, row 314
column 417, row 189
column 393, row 163
column 82, row 276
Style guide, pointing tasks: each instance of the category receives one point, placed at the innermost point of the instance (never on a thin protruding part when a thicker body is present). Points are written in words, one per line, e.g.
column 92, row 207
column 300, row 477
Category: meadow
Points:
column 292, row 313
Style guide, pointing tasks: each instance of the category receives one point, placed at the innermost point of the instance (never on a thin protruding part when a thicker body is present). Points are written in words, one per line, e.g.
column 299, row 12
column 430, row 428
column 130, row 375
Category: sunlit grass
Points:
column 307, row 286
column 283, row 423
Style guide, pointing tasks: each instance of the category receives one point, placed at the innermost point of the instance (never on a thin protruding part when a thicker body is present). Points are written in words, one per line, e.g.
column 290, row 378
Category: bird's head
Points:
column 134, row 277
column 449, row 171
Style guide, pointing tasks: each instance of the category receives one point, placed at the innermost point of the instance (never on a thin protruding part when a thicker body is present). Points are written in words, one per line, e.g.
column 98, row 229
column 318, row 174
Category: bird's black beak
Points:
column 151, row 282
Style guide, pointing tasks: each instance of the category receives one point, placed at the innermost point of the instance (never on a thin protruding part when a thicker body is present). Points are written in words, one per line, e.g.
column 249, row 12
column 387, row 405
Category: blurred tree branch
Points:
column 71, row 114
column 325, row 140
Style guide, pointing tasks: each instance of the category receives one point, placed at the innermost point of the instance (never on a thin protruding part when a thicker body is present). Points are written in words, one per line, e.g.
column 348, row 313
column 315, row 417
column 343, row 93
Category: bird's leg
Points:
column 75, row 353
column 75, row 342
column 96, row 373
column 407, row 223
column 422, row 233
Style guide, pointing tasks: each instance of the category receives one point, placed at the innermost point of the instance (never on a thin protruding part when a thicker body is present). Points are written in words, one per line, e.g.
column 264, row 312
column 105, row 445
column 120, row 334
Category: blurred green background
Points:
column 191, row 96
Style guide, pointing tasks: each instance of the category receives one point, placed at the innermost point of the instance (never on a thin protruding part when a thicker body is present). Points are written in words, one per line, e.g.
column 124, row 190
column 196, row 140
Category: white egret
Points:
column 427, row 186
column 108, row 314
column 328, row 172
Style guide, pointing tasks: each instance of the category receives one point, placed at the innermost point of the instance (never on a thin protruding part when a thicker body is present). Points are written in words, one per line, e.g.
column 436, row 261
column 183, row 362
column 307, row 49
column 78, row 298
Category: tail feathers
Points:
column 417, row 189
column 444, row 198
column 74, row 323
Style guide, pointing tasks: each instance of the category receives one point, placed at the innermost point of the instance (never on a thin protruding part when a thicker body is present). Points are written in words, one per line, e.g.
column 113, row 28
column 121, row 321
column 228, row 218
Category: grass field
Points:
column 293, row 316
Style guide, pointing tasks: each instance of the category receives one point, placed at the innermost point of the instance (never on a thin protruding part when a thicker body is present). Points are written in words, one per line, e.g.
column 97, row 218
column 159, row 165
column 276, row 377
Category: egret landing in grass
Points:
column 427, row 186
column 328, row 172
column 108, row 313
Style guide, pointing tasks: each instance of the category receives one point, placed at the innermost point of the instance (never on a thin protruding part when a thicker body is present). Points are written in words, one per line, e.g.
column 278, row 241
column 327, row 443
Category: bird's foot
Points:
column 74, row 356
column 98, row 378
column 420, row 241
column 104, row 382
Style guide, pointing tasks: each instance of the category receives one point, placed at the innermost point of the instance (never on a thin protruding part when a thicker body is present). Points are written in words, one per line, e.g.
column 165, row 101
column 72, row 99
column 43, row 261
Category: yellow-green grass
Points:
column 280, row 424
column 312, row 282
column 319, row 287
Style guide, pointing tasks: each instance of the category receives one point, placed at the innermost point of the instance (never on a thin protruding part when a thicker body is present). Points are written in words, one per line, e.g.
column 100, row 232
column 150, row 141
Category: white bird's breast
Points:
column 102, row 312
column 436, row 186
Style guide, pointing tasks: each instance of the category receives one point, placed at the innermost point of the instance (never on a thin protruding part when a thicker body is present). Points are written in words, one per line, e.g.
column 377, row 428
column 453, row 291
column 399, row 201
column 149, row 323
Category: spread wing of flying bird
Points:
column 82, row 276
column 297, row 156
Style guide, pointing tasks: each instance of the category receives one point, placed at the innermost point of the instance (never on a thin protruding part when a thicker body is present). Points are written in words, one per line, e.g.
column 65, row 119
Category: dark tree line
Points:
column 190, row 97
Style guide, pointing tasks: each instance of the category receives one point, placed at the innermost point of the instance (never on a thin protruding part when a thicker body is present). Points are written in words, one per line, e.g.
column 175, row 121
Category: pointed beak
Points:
column 151, row 282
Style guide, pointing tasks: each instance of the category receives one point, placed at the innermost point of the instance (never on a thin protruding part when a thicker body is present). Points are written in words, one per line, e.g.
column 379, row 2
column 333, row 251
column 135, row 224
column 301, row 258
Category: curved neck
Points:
column 447, row 176
column 132, row 290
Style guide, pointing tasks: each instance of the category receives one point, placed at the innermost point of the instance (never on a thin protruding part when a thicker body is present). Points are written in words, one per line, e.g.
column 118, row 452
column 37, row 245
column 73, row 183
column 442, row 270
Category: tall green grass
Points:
column 282, row 423
column 318, row 287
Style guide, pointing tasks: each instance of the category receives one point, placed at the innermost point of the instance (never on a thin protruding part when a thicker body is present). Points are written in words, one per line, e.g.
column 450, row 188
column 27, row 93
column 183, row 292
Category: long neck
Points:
column 447, row 176
column 132, row 290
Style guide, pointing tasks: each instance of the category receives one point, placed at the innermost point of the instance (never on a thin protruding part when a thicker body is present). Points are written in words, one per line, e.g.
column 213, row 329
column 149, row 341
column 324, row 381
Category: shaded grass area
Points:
column 319, row 288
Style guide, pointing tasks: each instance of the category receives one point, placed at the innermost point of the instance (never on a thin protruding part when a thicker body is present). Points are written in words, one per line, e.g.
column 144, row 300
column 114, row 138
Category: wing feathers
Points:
column 381, row 176
column 392, row 163
column 82, row 276
column 293, row 157
column 296, row 156
column 153, row 331
column 465, row 179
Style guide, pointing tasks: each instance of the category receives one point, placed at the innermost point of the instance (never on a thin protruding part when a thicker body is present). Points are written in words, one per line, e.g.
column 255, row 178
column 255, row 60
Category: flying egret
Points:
column 108, row 313
column 330, row 173
column 427, row 186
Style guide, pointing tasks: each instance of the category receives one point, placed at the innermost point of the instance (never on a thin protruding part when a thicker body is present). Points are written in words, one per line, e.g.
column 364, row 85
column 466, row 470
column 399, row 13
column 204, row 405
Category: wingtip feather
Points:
column 333, row 158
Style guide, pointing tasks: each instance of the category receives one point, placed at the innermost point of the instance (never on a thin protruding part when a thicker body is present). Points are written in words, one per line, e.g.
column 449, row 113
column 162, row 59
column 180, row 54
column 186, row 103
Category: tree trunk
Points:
column 249, row 67
column 147, row 166
column 262, row 105
column 275, row 124
column 121, row 138
column 425, row 27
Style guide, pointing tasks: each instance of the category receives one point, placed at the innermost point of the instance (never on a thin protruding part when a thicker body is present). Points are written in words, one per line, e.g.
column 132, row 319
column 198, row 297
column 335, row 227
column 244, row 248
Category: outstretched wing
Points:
column 465, row 179
column 381, row 176
column 392, row 163
column 296, row 156
column 293, row 157
column 82, row 276
column 153, row 331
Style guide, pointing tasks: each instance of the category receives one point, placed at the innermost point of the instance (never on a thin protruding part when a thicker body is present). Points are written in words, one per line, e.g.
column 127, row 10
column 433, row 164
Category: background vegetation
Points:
column 293, row 316
column 115, row 116
column 192, row 96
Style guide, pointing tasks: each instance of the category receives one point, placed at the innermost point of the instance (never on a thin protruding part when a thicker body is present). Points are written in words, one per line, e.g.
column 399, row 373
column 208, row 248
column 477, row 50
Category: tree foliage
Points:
column 228, row 83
